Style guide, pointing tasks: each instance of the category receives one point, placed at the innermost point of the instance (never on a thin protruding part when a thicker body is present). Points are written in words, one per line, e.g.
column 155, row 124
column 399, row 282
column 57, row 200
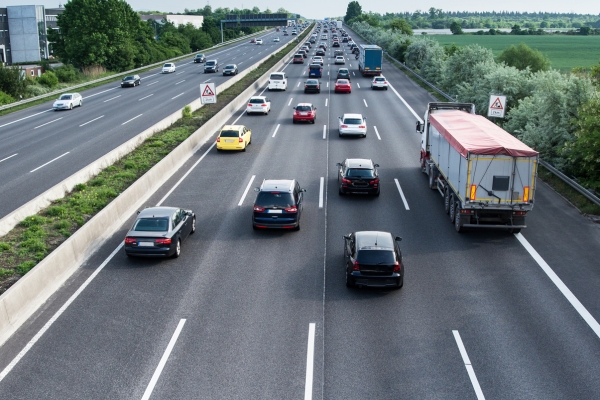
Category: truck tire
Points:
column 457, row 219
column 514, row 230
column 452, row 207
column 432, row 176
column 447, row 200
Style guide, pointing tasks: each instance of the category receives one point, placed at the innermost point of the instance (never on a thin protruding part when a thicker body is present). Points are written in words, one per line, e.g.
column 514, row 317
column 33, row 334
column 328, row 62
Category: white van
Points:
column 277, row 81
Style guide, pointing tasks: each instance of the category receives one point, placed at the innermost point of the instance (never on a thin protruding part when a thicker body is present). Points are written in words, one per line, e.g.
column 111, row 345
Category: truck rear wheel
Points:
column 457, row 219
column 432, row 176
column 452, row 208
column 447, row 200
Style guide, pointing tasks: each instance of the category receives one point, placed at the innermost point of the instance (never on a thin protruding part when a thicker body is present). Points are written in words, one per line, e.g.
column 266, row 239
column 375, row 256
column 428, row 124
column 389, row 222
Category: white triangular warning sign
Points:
column 207, row 91
column 497, row 105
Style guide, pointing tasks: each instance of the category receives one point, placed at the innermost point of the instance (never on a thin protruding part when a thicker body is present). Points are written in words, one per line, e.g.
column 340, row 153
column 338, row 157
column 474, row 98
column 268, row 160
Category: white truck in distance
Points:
column 485, row 175
column 338, row 24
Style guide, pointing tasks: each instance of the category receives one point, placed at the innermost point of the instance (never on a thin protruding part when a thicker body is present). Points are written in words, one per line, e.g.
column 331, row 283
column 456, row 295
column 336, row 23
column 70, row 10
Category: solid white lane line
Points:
column 112, row 98
column 276, row 129
column 179, row 73
column 145, row 97
column 61, row 310
column 163, row 360
column 246, row 191
column 402, row 194
column 324, row 131
column 321, row 189
column 208, row 80
column 310, row 356
column 298, row 85
column 180, row 94
column 41, row 166
column 180, row 82
column 405, row 103
column 303, row 72
column 358, row 84
column 377, row 132
column 21, row 119
column 468, row 366
column 326, row 102
column 152, row 83
column 353, row 74
column 54, row 120
column 366, row 105
column 96, row 94
column 290, row 102
column 91, row 121
column 4, row 159
column 587, row 317
column 137, row 116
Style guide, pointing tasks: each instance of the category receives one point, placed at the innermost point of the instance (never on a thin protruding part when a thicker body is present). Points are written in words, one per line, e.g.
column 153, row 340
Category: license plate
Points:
column 228, row 140
column 275, row 212
column 303, row 113
column 146, row 244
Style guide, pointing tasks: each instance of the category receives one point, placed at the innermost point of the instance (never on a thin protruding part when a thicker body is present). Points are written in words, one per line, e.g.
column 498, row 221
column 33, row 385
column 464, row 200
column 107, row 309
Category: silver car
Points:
column 352, row 124
column 67, row 101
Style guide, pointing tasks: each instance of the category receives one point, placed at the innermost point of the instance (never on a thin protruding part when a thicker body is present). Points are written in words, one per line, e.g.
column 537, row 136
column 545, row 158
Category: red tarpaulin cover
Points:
column 469, row 133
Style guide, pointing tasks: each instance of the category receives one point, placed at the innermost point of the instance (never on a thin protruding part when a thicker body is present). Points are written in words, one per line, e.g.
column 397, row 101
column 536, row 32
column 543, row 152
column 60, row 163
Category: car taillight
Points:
column 240, row 140
column 264, row 105
column 305, row 86
column 397, row 267
column 163, row 241
column 344, row 180
column 355, row 266
column 291, row 209
column 249, row 104
column 519, row 212
column 130, row 240
column 362, row 126
column 259, row 209
column 374, row 182
column 344, row 126
column 218, row 139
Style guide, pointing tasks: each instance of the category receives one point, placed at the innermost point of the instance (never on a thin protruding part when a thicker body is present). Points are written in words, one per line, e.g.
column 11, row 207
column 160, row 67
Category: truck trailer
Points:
column 370, row 59
column 486, row 176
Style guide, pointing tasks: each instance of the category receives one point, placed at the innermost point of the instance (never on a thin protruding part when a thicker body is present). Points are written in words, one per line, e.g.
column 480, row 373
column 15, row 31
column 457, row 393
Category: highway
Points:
column 39, row 147
column 246, row 314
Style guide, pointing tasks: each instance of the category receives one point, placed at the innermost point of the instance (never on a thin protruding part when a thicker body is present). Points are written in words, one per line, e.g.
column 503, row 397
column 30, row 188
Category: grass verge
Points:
column 38, row 235
column 573, row 196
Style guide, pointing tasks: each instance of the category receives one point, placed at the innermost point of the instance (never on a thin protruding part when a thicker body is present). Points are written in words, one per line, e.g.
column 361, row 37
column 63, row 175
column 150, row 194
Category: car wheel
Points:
column 293, row 121
column 80, row 102
column 71, row 106
column 349, row 282
column 177, row 249
column 193, row 225
column 297, row 228
column 400, row 283
column 313, row 121
column 386, row 88
column 244, row 149
column 340, row 192
column 378, row 193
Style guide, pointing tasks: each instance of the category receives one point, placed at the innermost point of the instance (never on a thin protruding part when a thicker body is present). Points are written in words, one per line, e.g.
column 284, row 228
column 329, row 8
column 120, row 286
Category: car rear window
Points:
column 151, row 225
column 210, row 63
column 312, row 82
column 303, row 108
column 360, row 172
column 274, row 199
column 229, row 134
column 353, row 121
column 379, row 79
column 342, row 82
column 276, row 77
column 256, row 101
column 375, row 257
column 315, row 66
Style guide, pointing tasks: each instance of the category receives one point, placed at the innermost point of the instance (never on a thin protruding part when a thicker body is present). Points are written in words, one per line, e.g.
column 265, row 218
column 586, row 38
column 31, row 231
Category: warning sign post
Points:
column 497, row 106
column 208, row 93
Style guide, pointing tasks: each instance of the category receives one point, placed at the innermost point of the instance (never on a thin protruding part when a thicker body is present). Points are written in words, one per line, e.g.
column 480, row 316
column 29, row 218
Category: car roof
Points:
column 232, row 127
column 359, row 163
column 374, row 240
column 352, row 116
column 312, row 80
column 159, row 212
column 277, row 185
column 230, row 66
column 211, row 60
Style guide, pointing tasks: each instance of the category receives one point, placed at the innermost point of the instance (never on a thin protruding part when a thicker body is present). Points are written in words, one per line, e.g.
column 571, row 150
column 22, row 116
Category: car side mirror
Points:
column 398, row 239
column 376, row 165
column 339, row 164
column 257, row 189
column 293, row 108
column 303, row 190
column 419, row 127
column 347, row 237
column 189, row 213
column 138, row 211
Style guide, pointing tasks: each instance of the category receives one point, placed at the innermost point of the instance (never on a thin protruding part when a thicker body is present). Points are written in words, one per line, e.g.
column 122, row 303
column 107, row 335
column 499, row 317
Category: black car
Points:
column 131, row 80
column 358, row 175
column 159, row 231
column 278, row 204
column 336, row 44
column 230, row 69
column 200, row 58
column 211, row 66
column 355, row 50
column 312, row 85
column 373, row 259
column 320, row 52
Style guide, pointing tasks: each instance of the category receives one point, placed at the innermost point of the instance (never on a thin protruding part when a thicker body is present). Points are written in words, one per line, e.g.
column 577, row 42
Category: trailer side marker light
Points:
column 473, row 192
column 526, row 194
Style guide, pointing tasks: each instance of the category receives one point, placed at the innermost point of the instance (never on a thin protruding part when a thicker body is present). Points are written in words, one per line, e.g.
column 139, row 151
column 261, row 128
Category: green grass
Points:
column 576, row 198
column 564, row 52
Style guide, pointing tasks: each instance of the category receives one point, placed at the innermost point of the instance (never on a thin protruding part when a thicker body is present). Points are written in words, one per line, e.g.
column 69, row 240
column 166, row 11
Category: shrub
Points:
column 4, row 247
column 25, row 267
column 5, row 98
column 67, row 73
column 48, row 79
column 33, row 245
column 186, row 112
column 56, row 211
column 37, row 90
column 6, row 272
column 33, row 220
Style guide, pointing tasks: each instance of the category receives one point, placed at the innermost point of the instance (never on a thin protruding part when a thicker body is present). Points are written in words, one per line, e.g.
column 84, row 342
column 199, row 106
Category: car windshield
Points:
column 274, row 199
column 168, row 65
column 375, row 257
column 257, row 101
column 209, row 63
column 353, row 121
column 230, row 67
column 229, row 134
column 277, row 77
column 129, row 78
column 303, row 108
column 151, row 225
column 360, row 173
column 65, row 97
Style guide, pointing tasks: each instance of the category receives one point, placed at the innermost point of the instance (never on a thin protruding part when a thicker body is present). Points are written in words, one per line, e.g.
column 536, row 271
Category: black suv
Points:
column 373, row 258
column 278, row 204
column 211, row 66
column 131, row 80
column 358, row 175
column 200, row 58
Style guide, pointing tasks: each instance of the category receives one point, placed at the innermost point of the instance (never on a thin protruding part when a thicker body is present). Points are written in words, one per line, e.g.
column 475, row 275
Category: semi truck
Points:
column 370, row 59
column 486, row 176
column 338, row 24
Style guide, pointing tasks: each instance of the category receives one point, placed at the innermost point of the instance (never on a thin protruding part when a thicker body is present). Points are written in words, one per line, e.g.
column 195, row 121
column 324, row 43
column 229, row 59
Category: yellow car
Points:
column 234, row 137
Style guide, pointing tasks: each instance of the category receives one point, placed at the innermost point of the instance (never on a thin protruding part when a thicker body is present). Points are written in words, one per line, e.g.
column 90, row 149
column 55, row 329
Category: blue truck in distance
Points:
column 370, row 59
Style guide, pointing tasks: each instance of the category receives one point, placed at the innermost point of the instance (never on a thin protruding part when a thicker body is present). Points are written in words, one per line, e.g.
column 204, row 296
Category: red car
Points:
column 304, row 112
column 343, row 86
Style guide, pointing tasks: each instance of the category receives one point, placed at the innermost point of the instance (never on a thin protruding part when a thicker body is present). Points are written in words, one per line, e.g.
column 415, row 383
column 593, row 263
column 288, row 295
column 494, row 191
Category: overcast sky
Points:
column 319, row 9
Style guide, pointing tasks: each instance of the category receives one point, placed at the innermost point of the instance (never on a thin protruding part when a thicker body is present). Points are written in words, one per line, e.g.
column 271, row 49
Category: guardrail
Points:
column 112, row 77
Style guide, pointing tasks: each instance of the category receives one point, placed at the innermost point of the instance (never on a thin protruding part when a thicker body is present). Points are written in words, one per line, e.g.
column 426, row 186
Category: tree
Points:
column 456, row 28
column 523, row 56
column 11, row 82
column 354, row 10
column 400, row 24
column 459, row 66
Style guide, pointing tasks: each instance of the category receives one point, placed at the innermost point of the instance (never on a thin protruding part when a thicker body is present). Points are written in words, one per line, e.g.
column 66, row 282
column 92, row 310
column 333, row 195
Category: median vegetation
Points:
column 38, row 235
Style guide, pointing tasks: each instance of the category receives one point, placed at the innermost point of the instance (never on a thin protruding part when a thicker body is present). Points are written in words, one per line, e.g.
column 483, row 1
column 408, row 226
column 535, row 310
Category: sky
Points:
column 317, row 9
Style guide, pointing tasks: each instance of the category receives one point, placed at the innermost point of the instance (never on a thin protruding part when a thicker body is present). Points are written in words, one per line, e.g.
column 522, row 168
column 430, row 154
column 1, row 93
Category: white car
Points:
column 276, row 39
column 67, row 101
column 352, row 124
column 340, row 60
column 258, row 104
column 317, row 60
column 168, row 68
column 379, row 82
column 277, row 81
column 259, row 41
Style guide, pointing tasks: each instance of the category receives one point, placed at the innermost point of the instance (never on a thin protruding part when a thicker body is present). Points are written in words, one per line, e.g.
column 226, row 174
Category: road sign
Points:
column 497, row 106
column 208, row 93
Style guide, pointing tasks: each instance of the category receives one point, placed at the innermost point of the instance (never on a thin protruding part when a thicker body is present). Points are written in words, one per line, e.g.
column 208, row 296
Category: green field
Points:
column 564, row 52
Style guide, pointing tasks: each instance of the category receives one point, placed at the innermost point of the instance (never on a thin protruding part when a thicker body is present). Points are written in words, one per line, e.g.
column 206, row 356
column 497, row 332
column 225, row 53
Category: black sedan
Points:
column 131, row 80
column 159, row 231
column 358, row 175
column 312, row 85
column 373, row 259
column 320, row 52
column 230, row 69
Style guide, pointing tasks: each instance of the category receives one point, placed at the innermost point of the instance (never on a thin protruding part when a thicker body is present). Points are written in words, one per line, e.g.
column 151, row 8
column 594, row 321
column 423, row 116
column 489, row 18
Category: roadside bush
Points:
column 66, row 73
column 37, row 90
column 5, row 98
column 11, row 81
column 25, row 267
column 48, row 79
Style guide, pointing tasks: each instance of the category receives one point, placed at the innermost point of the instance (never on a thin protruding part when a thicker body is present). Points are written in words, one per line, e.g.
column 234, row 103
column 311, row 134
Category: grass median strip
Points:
column 38, row 235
